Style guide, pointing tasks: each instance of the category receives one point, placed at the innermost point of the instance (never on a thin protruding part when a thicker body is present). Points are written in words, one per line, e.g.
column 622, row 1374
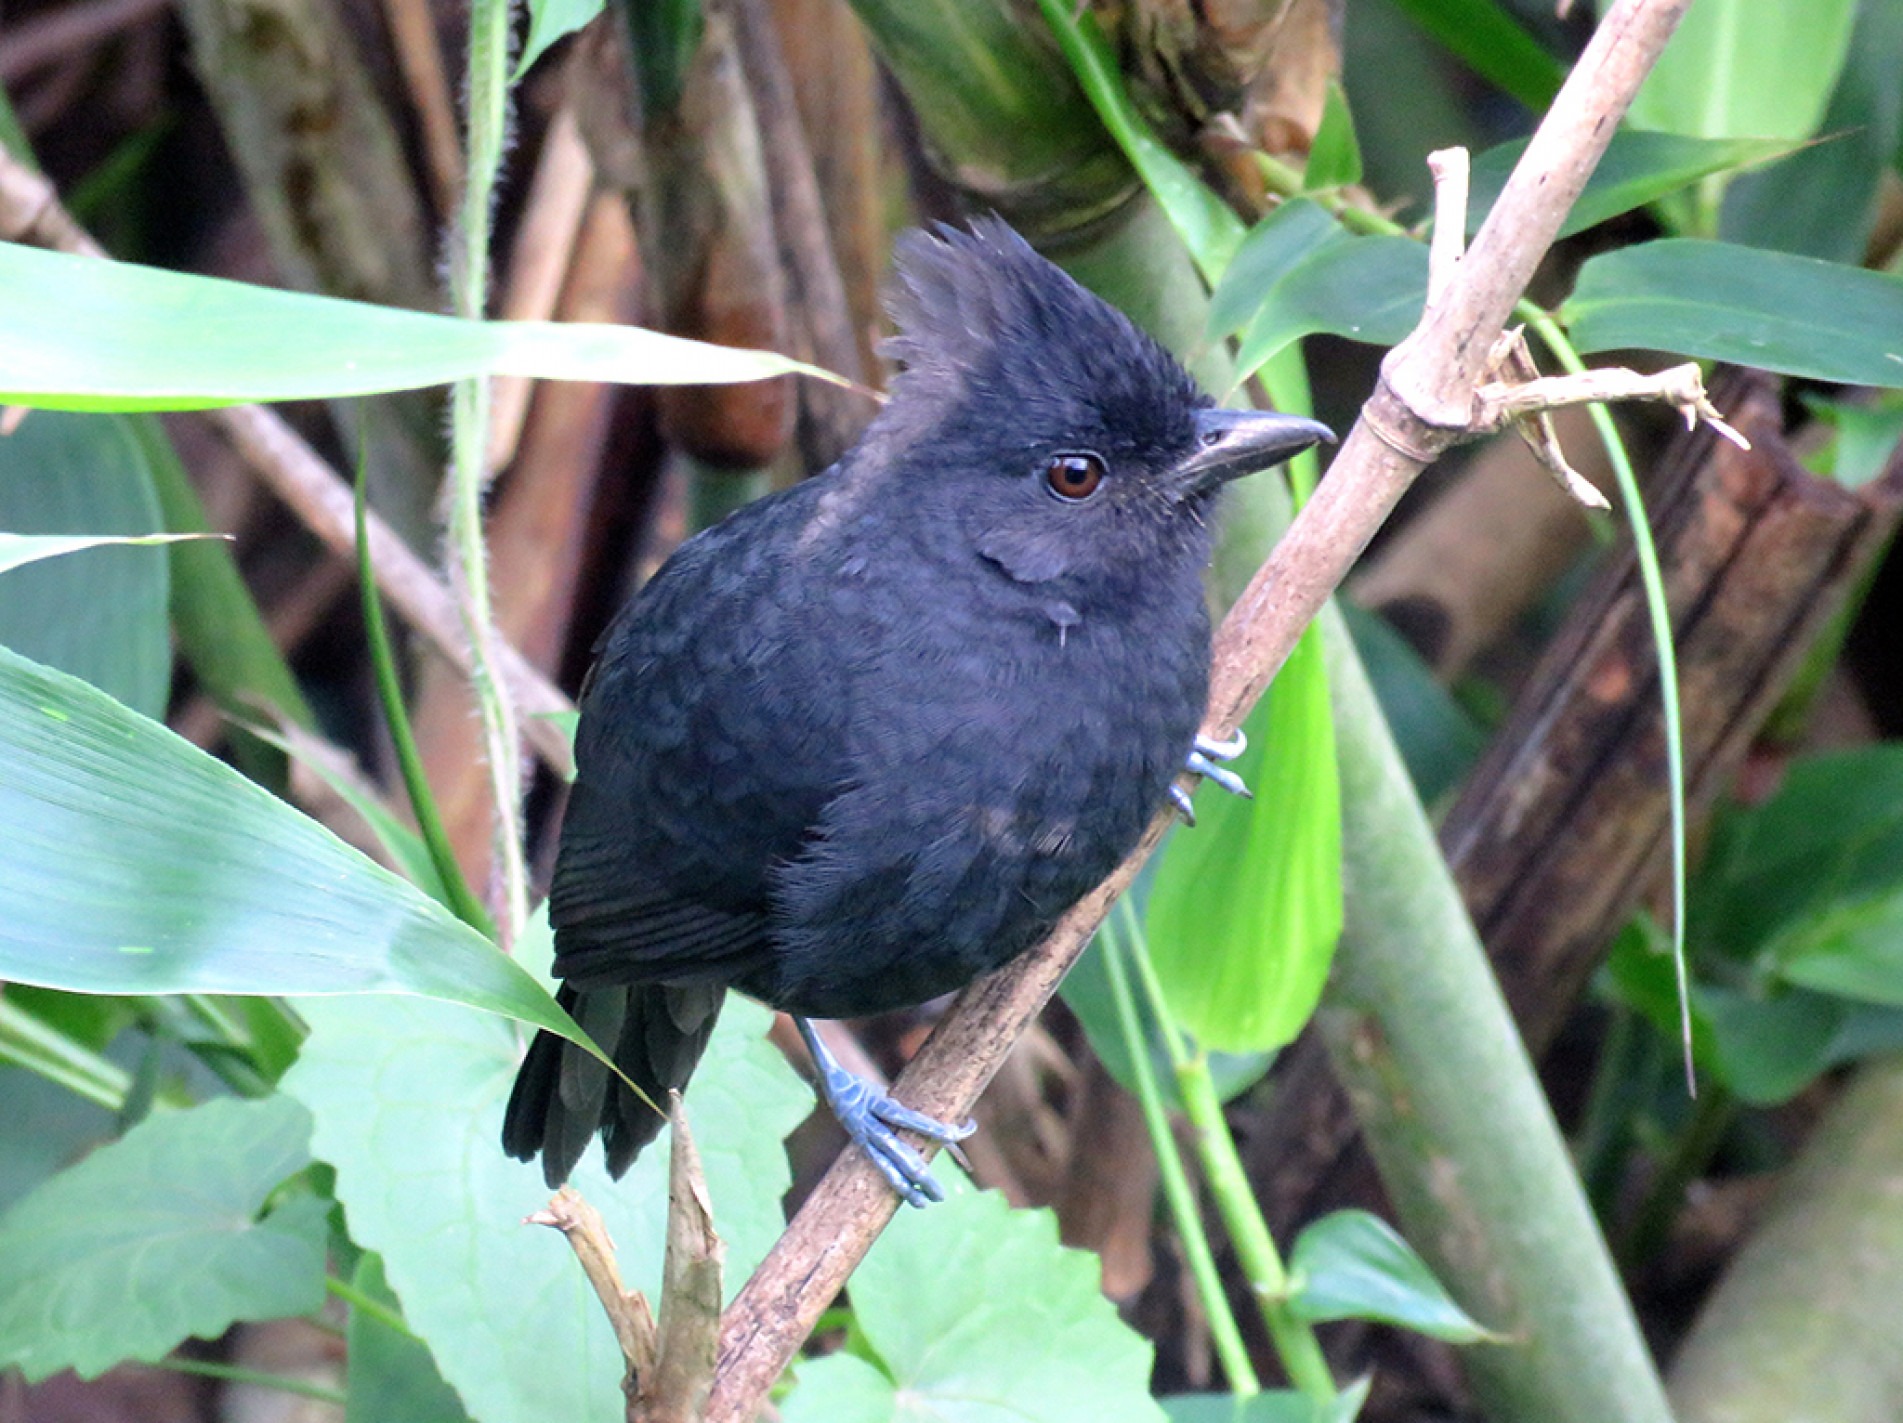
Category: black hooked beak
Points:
column 1232, row 443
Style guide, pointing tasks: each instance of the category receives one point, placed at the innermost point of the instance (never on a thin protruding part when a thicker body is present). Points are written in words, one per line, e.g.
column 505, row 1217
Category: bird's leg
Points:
column 870, row 1116
column 1204, row 755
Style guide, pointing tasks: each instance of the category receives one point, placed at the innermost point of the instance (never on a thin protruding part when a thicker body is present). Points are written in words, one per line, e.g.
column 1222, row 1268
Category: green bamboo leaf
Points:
column 160, row 1237
column 1747, row 69
column 1365, row 288
column 1334, row 158
column 1352, row 1265
column 550, row 20
column 138, row 864
column 1245, row 910
column 1272, row 249
column 83, row 334
column 1491, row 43
column 18, row 550
column 1639, row 167
column 97, row 613
column 1794, row 315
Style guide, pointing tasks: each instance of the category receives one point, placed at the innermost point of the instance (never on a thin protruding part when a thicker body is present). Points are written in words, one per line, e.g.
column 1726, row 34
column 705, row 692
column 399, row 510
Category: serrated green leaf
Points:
column 1334, row 158
column 99, row 614
column 138, row 864
column 407, row 1096
column 1352, row 1265
column 1245, row 910
column 1012, row 1326
column 83, row 334
column 1639, row 167
column 1722, row 302
column 393, row 1378
column 1366, row 289
column 1492, row 43
column 551, row 20
column 1272, row 249
column 157, row 1238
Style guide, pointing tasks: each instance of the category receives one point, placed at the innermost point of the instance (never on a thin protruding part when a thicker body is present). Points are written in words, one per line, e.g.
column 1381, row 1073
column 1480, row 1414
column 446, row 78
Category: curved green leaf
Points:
column 82, row 334
column 158, row 1237
column 97, row 613
column 1272, row 249
column 1352, row 1265
column 550, row 20
column 1366, row 289
column 1491, row 42
column 1717, row 301
column 138, row 864
column 1245, row 910
column 18, row 550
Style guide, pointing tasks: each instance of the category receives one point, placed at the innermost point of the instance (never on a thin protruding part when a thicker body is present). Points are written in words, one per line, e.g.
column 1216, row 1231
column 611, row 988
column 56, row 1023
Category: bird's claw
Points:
column 1206, row 754
column 873, row 1120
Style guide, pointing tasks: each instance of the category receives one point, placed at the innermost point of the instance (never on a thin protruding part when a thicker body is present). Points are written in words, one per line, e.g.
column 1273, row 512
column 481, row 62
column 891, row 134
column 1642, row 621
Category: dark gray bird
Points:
column 870, row 737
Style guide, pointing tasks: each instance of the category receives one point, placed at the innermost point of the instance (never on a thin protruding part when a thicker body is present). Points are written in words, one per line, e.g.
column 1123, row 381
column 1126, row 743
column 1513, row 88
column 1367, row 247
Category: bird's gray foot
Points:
column 872, row 1120
column 1205, row 756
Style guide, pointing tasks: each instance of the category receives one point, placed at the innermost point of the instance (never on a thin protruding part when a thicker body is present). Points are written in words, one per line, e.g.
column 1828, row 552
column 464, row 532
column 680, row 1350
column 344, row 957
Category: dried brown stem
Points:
column 1404, row 426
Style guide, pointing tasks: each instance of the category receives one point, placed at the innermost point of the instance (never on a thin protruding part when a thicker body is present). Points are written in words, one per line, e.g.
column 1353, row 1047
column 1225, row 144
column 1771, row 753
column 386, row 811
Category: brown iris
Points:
column 1074, row 477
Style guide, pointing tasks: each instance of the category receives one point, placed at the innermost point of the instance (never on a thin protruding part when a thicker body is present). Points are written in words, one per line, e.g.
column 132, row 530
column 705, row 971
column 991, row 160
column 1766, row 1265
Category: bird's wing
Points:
column 712, row 734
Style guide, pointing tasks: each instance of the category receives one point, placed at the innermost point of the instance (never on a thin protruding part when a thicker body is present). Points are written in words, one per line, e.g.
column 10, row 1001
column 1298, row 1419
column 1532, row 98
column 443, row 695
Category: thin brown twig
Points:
column 54, row 34
column 419, row 53
column 1420, row 407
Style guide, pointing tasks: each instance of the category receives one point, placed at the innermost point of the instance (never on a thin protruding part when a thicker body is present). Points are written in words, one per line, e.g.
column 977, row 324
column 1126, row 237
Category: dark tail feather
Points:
column 562, row 1097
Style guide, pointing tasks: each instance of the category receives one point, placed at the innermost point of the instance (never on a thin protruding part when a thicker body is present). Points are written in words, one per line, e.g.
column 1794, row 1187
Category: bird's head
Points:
column 1063, row 441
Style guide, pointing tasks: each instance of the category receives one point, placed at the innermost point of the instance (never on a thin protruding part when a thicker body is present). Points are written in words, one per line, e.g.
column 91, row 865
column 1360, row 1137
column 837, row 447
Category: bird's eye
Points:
column 1074, row 477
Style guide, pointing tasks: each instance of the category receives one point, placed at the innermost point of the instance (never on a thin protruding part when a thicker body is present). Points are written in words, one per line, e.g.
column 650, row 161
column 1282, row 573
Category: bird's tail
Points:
column 654, row 1032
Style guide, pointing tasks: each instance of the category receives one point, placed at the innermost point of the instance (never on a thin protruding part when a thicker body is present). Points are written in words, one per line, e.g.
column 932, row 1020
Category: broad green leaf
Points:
column 84, row 334
column 1853, row 949
column 1273, row 247
column 393, row 1378
column 98, row 613
column 138, row 864
column 550, row 20
column 161, row 1237
column 976, row 1314
column 1334, row 158
column 1366, row 289
column 1245, row 909
column 47, row 1128
column 1867, row 435
column 1484, row 35
column 407, row 1096
column 1746, row 69
column 1352, row 1265
column 1821, row 202
column 1718, row 301
column 1639, row 167
column 18, row 550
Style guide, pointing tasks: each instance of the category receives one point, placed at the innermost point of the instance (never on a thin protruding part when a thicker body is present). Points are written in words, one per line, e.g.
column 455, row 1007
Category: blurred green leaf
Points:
column 1365, row 288
column 1334, row 158
column 158, row 1238
column 1746, row 69
column 1718, row 301
column 666, row 33
column 1272, row 249
column 407, row 1096
column 550, row 20
column 99, row 614
column 138, row 864
column 1821, row 202
column 1639, row 167
column 90, row 335
column 1852, row 949
column 1010, row 1325
column 1352, row 1265
column 1491, row 42
column 1275, row 1405
column 1245, row 909
column 393, row 1378
column 1439, row 739
column 1868, row 433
